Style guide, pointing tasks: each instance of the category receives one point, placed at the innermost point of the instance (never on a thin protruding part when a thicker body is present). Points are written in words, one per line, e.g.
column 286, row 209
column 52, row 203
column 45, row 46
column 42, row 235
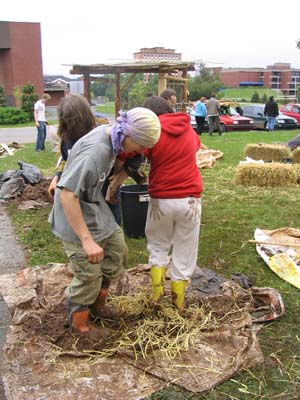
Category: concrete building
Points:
column 279, row 76
column 20, row 57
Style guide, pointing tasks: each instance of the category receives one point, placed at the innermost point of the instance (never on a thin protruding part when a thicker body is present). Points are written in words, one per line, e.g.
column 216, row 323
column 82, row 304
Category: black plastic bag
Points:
column 30, row 173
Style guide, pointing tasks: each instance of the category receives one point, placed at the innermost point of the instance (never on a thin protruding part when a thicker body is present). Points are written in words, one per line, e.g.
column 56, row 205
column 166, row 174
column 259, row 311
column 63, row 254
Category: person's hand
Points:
column 139, row 176
column 52, row 187
column 111, row 192
column 155, row 212
column 94, row 252
column 37, row 124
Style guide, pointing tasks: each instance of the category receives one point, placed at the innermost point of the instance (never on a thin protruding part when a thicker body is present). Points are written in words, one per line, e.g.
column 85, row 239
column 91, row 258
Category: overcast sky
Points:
column 235, row 33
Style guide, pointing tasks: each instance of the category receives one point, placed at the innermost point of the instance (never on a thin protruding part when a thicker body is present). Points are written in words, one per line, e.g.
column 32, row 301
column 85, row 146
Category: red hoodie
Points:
column 173, row 169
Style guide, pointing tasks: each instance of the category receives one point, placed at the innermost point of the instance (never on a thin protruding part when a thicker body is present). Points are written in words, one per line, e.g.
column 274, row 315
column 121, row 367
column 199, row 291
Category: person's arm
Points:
column 115, row 182
column 52, row 186
column 55, row 179
column 36, row 117
column 72, row 209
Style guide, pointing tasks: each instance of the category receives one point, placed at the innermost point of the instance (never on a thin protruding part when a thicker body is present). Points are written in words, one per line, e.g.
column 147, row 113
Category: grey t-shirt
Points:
column 212, row 106
column 87, row 167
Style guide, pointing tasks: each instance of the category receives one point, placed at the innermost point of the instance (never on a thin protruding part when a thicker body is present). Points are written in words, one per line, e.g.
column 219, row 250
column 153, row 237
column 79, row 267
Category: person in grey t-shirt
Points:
column 80, row 217
column 213, row 114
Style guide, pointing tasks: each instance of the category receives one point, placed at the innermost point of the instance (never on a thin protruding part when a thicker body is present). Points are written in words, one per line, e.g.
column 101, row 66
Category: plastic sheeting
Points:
column 280, row 249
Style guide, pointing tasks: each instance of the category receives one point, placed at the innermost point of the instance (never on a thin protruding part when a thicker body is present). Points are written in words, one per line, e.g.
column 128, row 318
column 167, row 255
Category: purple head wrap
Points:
column 140, row 123
column 117, row 133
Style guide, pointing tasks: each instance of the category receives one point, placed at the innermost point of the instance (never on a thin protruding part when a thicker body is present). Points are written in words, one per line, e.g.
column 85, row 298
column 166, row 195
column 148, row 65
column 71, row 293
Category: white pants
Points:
column 174, row 222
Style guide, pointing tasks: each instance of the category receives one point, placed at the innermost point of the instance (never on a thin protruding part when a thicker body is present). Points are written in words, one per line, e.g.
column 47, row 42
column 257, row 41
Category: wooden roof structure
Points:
column 166, row 70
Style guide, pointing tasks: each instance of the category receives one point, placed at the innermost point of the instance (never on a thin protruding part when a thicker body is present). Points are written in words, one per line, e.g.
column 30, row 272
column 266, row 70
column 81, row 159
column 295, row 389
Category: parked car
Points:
column 256, row 111
column 230, row 119
column 292, row 110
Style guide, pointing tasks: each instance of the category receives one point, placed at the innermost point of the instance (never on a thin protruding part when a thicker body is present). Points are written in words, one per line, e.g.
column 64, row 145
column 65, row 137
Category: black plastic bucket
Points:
column 134, row 205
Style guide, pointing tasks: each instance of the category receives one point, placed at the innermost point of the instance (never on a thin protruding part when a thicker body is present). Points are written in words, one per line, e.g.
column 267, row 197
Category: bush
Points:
column 28, row 100
column 12, row 116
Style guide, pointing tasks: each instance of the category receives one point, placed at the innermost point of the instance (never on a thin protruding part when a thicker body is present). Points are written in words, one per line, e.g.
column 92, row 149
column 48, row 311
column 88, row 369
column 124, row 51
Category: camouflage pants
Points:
column 86, row 283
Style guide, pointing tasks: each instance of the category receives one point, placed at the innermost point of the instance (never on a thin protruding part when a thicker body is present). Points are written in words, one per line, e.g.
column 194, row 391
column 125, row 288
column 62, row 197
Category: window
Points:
column 248, row 110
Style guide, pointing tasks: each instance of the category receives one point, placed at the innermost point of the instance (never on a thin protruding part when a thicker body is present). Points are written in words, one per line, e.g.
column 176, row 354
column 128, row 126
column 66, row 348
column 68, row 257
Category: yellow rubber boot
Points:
column 158, row 275
column 177, row 291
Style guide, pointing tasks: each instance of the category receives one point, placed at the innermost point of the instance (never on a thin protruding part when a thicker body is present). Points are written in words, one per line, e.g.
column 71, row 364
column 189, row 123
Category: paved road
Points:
column 12, row 259
column 19, row 135
column 27, row 134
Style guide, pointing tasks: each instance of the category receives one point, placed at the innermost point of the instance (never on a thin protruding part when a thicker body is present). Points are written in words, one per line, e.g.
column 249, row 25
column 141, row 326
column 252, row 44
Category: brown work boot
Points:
column 81, row 323
column 100, row 309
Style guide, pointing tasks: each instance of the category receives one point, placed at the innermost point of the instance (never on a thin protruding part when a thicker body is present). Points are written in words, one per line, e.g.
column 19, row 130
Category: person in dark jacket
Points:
column 271, row 112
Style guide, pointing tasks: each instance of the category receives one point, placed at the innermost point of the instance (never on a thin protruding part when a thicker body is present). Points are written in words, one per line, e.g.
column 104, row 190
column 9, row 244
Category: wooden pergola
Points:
column 167, row 71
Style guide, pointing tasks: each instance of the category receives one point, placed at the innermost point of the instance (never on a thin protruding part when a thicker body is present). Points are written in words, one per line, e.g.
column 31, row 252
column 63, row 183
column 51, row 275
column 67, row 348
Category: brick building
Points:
column 152, row 54
column 279, row 76
column 57, row 86
column 20, row 57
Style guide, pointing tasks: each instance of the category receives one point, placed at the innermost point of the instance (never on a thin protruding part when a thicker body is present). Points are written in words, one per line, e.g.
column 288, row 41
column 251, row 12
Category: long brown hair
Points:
column 75, row 118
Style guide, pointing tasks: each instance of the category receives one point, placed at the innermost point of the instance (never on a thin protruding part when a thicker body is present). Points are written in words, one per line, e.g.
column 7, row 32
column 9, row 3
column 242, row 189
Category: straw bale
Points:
column 296, row 168
column 296, row 155
column 267, row 152
column 268, row 174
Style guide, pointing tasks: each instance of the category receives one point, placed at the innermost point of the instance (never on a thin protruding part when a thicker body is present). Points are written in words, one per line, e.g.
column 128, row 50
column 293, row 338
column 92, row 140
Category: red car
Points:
column 292, row 110
column 230, row 119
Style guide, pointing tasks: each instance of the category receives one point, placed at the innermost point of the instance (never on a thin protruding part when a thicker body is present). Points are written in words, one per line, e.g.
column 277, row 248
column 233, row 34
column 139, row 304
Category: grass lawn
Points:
column 230, row 215
column 247, row 93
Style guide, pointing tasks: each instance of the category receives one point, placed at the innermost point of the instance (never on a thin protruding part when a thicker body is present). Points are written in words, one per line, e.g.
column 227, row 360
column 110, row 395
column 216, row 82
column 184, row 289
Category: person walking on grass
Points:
column 213, row 114
column 200, row 114
column 40, row 122
column 271, row 112
column 80, row 216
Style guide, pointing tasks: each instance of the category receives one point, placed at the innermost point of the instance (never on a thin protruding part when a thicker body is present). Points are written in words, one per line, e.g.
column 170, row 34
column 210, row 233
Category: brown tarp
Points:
column 36, row 368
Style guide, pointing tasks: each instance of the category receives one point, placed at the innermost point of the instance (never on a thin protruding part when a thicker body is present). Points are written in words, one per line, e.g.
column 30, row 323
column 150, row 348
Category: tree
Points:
column 103, row 88
column 137, row 94
column 264, row 98
column 255, row 98
column 28, row 100
column 298, row 44
column 3, row 102
column 298, row 91
column 204, row 83
column 17, row 93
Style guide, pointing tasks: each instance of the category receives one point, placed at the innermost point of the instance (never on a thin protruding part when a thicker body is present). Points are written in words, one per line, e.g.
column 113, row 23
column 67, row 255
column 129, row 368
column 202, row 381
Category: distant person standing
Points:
column 213, row 114
column 271, row 112
column 200, row 114
column 40, row 122
column 170, row 96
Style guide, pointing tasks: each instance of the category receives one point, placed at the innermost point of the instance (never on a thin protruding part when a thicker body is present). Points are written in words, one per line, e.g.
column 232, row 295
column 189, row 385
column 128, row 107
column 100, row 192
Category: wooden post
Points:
column 162, row 82
column 185, row 91
column 87, row 86
column 117, row 94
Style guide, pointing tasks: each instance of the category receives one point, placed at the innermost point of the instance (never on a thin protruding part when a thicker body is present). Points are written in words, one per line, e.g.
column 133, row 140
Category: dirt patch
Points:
column 37, row 192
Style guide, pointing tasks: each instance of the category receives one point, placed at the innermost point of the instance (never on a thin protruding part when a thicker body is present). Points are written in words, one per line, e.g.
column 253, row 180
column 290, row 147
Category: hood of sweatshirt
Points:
column 175, row 124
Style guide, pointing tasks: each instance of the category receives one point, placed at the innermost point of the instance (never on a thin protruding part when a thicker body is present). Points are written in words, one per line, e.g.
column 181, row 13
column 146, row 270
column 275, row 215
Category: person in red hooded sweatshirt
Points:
column 174, row 212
